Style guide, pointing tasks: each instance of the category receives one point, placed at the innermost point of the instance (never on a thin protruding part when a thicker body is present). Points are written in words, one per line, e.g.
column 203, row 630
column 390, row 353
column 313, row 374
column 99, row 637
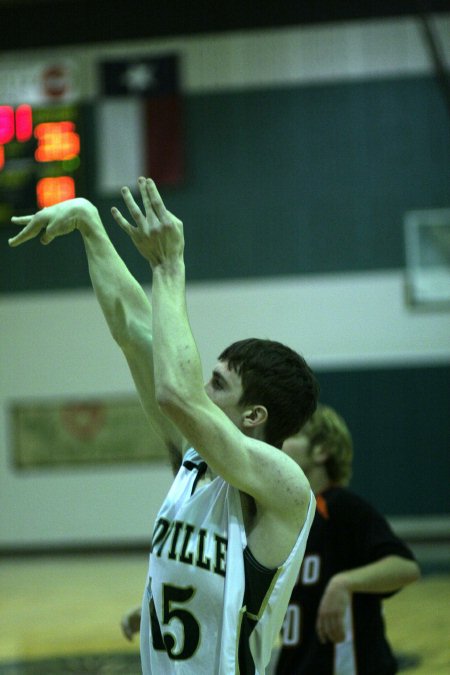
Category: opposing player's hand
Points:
column 53, row 221
column 131, row 623
column 330, row 623
column 157, row 235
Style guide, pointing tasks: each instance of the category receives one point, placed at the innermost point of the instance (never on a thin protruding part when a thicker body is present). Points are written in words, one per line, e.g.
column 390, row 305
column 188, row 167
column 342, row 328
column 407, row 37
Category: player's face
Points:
column 299, row 449
column 225, row 390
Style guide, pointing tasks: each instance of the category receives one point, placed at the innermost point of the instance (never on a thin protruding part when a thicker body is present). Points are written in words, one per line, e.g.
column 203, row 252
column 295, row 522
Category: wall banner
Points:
column 79, row 433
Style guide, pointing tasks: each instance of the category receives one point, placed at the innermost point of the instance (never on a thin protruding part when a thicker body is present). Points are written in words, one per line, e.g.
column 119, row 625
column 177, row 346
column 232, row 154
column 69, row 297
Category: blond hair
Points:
column 328, row 429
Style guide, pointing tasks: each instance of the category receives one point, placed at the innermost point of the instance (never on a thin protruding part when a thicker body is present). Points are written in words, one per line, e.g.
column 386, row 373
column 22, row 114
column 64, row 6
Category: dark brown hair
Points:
column 278, row 378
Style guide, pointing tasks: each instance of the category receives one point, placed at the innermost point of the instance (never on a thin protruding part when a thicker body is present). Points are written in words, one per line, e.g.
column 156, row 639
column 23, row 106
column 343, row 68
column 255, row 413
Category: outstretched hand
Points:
column 335, row 602
column 53, row 221
column 157, row 235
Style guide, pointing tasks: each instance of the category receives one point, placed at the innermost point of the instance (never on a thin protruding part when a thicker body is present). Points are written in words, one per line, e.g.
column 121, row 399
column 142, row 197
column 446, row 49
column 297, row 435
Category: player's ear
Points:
column 319, row 453
column 254, row 416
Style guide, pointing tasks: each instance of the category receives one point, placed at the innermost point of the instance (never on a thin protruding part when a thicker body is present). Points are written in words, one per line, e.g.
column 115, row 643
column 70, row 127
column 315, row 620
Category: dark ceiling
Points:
column 39, row 23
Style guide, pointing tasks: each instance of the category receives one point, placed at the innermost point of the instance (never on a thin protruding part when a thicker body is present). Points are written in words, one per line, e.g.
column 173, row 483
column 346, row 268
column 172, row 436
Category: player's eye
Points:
column 217, row 383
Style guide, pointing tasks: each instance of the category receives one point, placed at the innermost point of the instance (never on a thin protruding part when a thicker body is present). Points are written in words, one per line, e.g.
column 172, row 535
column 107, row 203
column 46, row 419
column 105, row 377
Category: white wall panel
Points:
column 264, row 58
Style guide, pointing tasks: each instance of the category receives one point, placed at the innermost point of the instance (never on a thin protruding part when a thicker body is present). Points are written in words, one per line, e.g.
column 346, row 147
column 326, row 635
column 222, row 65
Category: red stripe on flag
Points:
column 165, row 139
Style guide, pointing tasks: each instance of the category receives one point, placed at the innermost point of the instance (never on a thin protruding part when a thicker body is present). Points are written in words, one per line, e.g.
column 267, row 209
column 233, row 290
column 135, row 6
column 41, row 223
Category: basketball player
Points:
column 353, row 560
column 230, row 536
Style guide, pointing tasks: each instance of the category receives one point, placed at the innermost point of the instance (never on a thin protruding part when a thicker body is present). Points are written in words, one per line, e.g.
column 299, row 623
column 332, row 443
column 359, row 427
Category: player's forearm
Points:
column 124, row 303
column 178, row 370
column 128, row 313
column 383, row 576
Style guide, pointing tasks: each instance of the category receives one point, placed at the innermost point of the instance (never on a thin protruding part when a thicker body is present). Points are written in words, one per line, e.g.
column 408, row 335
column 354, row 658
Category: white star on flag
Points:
column 139, row 77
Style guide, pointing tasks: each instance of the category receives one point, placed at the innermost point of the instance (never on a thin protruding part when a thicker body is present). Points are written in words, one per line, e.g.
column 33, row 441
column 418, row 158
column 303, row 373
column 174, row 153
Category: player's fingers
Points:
column 47, row 236
column 334, row 629
column 142, row 183
column 21, row 220
column 121, row 221
column 338, row 629
column 31, row 230
column 156, row 202
column 53, row 230
column 320, row 630
column 133, row 208
column 324, row 628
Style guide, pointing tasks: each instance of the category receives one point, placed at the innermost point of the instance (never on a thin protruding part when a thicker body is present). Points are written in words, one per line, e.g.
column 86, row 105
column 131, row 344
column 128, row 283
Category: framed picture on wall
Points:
column 427, row 253
column 55, row 433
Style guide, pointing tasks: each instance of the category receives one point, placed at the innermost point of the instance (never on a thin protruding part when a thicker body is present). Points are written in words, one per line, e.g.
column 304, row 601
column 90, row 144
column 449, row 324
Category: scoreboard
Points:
column 81, row 125
column 40, row 157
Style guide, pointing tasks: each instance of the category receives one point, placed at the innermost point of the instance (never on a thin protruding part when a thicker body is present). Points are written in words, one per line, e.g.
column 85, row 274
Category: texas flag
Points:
column 139, row 122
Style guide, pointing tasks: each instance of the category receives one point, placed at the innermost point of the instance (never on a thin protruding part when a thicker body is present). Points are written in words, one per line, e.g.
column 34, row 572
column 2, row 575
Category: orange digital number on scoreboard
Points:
column 54, row 190
column 56, row 141
column 50, row 140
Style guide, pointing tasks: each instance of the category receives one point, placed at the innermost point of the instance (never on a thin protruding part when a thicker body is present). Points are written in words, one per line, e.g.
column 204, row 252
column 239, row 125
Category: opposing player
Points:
column 230, row 536
column 353, row 560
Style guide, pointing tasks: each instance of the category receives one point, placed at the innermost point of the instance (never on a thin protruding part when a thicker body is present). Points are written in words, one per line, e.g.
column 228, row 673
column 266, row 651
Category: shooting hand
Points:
column 157, row 235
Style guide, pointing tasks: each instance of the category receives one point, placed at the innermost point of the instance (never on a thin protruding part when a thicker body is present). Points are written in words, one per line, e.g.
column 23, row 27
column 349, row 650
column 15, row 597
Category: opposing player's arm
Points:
column 386, row 575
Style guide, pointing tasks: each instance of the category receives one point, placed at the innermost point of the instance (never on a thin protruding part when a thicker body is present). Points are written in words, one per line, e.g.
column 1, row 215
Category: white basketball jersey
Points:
column 209, row 608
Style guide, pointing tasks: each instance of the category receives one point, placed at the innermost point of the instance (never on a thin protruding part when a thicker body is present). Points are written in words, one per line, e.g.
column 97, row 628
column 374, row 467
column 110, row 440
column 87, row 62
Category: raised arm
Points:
column 124, row 303
column 274, row 480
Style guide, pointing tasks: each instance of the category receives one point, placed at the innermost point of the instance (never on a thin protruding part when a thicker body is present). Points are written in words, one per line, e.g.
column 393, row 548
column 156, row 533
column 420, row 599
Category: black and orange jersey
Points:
column 347, row 532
